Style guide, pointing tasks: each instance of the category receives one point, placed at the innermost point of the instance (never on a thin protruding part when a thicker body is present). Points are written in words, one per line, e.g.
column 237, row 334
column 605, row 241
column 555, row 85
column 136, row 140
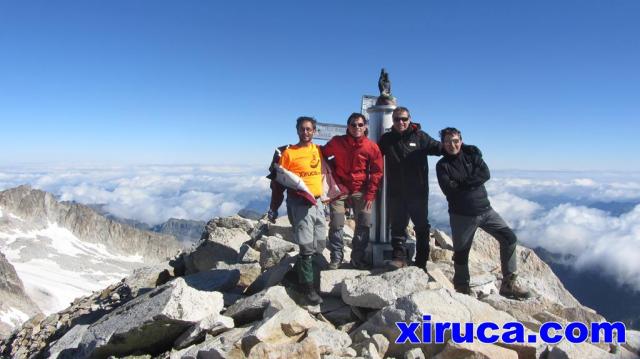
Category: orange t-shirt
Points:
column 306, row 163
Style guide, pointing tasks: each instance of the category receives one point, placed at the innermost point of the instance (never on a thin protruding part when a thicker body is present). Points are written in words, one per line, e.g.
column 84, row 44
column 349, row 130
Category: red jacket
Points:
column 357, row 163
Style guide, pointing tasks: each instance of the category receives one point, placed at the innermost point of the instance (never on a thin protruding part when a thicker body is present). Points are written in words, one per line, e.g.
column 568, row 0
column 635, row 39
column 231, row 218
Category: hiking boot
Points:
column 398, row 263
column 511, row 288
column 334, row 265
column 310, row 294
column 462, row 288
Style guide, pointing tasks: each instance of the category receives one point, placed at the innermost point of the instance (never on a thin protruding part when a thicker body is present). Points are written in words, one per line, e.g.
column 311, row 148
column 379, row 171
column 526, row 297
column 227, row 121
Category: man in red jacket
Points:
column 357, row 164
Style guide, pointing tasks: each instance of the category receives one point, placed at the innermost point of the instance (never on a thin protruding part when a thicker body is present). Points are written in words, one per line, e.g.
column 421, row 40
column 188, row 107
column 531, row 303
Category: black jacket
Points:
column 462, row 179
column 406, row 160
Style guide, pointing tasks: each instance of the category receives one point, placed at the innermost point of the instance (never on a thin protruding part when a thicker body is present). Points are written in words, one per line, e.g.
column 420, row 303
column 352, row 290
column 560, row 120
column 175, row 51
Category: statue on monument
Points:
column 384, row 85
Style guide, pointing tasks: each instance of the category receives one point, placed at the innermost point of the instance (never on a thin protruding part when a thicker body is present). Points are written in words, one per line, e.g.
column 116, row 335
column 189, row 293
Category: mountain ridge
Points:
column 39, row 207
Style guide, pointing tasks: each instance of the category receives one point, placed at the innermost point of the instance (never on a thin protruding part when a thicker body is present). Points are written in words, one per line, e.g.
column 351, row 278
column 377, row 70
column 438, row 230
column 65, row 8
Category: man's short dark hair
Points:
column 449, row 131
column 302, row 119
column 399, row 109
column 356, row 115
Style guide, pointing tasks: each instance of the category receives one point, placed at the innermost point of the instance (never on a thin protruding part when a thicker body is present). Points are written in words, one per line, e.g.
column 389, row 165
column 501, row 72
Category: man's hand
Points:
column 272, row 216
column 368, row 205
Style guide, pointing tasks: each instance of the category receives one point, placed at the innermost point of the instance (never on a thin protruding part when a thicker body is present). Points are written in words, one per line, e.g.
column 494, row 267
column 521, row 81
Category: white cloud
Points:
column 151, row 194
column 554, row 210
column 598, row 240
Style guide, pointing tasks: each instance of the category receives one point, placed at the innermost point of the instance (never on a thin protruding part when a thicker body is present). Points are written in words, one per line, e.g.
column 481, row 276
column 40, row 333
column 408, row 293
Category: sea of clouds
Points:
column 150, row 194
column 594, row 218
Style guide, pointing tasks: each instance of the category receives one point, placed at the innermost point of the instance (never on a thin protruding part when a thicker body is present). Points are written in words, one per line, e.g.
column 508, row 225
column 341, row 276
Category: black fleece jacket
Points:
column 406, row 160
column 461, row 178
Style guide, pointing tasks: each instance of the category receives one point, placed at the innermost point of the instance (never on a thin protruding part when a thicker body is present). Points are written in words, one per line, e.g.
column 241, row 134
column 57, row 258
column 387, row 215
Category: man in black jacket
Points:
column 406, row 148
column 461, row 177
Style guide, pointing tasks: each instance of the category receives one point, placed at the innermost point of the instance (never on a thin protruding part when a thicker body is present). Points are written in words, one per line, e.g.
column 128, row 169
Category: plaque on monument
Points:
column 324, row 131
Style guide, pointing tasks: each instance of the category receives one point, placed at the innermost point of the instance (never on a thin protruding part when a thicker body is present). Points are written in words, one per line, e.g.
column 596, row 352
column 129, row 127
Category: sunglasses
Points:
column 359, row 124
column 403, row 119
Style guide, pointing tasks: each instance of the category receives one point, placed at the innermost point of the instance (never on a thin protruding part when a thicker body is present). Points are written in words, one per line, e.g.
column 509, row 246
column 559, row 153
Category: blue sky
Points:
column 537, row 85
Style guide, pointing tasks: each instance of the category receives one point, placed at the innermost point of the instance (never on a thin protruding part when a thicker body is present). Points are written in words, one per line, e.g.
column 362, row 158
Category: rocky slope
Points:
column 594, row 289
column 54, row 252
column 232, row 297
column 15, row 304
column 184, row 230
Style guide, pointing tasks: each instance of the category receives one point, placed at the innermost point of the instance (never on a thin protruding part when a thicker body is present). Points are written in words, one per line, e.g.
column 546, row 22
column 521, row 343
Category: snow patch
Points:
column 57, row 267
column 65, row 243
column 54, row 288
column 13, row 317
column 10, row 215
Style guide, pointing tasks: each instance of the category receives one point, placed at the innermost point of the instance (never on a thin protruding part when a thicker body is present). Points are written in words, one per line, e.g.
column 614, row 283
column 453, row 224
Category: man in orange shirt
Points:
column 305, row 210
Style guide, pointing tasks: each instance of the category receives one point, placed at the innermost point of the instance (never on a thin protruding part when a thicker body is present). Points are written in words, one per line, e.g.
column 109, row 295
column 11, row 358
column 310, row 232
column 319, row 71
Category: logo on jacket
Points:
column 315, row 161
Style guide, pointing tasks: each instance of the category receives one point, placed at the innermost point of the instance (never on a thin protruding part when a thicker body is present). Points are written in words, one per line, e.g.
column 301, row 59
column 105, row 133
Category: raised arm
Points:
column 431, row 146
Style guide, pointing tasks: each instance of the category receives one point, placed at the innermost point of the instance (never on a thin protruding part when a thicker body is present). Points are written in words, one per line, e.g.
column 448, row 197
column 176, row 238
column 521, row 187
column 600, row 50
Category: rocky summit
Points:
column 233, row 296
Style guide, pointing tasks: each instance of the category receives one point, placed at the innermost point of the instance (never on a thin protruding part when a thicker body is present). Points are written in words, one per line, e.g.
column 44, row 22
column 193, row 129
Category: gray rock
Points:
column 221, row 245
column 442, row 239
column 286, row 326
column 70, row 340
column 146, row 278
column 378, row 291
column 249, row 272
column 248, row 254
column 483, row 285
column 580, row 313
column 305, row 349
column 274, row 275
column 331, row 280
column 149, row 323
column 632, row 341
column 340, row 316
column 329, row 341
column 437, row 254
column 225, row 345
column 213, row 280
column 370, row 346
column 282, row 228
column 566, row 350
column 533, row 272
column 415, row 353
column 251, row 308
column 230, row 223
column 442, row 305
column 273, row 249
column 213, row 324
column 475, row 351
column 439, row 277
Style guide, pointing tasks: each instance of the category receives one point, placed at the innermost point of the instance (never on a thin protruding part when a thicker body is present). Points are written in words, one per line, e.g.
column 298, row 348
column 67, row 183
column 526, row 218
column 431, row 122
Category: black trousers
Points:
column 401, row 209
